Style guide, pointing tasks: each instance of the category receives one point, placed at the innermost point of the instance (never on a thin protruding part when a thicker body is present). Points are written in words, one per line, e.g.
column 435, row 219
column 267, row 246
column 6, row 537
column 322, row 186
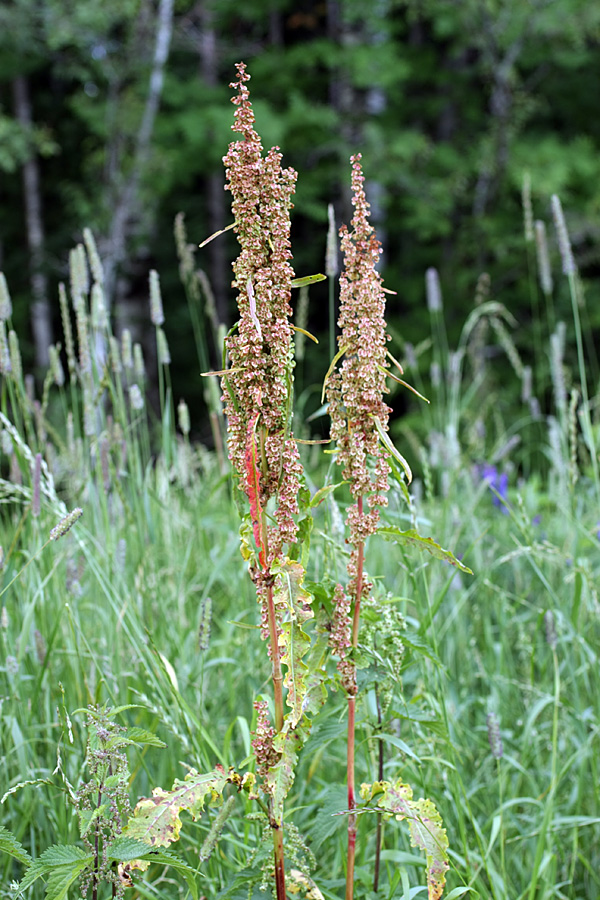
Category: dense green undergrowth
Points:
column 491, row 688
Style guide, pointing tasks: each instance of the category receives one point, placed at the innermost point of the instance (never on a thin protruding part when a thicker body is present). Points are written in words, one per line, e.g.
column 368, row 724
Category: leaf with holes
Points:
column 424, row 822
column 156, row 820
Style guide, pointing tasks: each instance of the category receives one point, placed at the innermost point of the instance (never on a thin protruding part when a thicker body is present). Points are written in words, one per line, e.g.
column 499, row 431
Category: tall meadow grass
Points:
column 481, row 691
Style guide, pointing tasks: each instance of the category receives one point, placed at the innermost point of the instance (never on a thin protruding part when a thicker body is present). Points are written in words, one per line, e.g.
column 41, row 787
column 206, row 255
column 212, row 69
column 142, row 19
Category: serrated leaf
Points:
column 140, row 736
column 61, row 880
column 64, row 857
column 413, row 538
column 425, row 825
column 122, row 849
column 9, row 844
column 156, row 820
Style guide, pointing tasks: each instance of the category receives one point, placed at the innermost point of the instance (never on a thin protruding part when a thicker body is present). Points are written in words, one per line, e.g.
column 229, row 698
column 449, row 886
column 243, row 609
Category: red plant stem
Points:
column 351, row 800
column 279, row 862
column 278, row 854
column 352, row 724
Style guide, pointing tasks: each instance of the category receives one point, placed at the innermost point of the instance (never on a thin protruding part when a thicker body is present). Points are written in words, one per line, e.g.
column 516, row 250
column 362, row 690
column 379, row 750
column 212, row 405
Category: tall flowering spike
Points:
column 356, row 391
column 258, row 385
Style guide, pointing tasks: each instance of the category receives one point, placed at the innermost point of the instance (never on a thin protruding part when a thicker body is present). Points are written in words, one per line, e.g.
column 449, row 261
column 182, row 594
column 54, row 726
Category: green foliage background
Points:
column 449, row 101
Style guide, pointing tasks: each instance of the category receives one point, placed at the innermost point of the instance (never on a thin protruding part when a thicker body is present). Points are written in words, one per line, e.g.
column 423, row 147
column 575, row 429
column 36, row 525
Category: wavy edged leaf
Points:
column 413, row 538
column 294, row 643
column 9, row 844
column 156, row 820
column 425, row 824
column 290, row 740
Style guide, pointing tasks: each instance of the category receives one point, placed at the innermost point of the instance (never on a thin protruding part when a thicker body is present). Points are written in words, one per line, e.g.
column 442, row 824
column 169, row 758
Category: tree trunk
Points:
column 216, row 200
column 41, row 317
column 128, row 195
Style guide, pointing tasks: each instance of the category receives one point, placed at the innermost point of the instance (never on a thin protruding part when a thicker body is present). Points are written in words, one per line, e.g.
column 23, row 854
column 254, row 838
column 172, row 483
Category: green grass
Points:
column 111, row 613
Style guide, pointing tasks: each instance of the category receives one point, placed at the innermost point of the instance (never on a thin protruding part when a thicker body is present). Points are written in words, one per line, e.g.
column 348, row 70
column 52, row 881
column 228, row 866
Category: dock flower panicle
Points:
column 258, row 385
column 355, row 392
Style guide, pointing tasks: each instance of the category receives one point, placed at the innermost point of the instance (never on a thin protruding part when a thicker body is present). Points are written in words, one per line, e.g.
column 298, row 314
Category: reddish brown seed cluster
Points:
column 261, row 348
column 355, row 391
column 262, row 742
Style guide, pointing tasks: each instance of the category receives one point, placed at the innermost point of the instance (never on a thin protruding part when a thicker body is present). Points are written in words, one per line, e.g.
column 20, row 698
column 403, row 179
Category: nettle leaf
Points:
column 425, row 824
column 123, row 849
column 61, row 880
column 62, row 860
column 156, row 819
column 140, row 736
column 9, row 844
column 413, row 538
column 294, row 642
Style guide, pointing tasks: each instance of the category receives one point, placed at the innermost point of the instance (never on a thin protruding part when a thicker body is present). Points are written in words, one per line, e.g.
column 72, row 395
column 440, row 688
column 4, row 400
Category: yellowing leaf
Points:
column 156, row 820
column 425, row 825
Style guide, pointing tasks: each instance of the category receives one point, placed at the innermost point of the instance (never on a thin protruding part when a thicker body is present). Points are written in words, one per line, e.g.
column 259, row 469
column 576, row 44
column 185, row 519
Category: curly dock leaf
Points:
column 156, row 820
column 425, row 824
column 413, row 538
column 294, row 643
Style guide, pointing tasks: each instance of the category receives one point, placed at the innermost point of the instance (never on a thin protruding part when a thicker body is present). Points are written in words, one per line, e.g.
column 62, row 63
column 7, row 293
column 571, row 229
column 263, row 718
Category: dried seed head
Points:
column 205, row 623
column 136, row 398
column 58, row 374
column 5, row 302
column 5, row 363
column 16, row 365
column 550, row 629
column 564, row 243
column 79, row 274
column 527, row 208
column 162, row 348
column 65, row 524
column 494, row 738
column 99, row 311
column 331, row 253
column 260, row 351
column 183, row 415
column 67, row 329
column 543, row 258
column 115, row 355
column 139, row 366
column 37, row 477
column 126, row 350
column 433, row 290
column 157, row 316
column 93, row 256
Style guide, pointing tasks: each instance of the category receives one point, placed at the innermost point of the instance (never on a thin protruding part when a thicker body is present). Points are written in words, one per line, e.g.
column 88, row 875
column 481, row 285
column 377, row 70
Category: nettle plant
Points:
column 313, row 632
